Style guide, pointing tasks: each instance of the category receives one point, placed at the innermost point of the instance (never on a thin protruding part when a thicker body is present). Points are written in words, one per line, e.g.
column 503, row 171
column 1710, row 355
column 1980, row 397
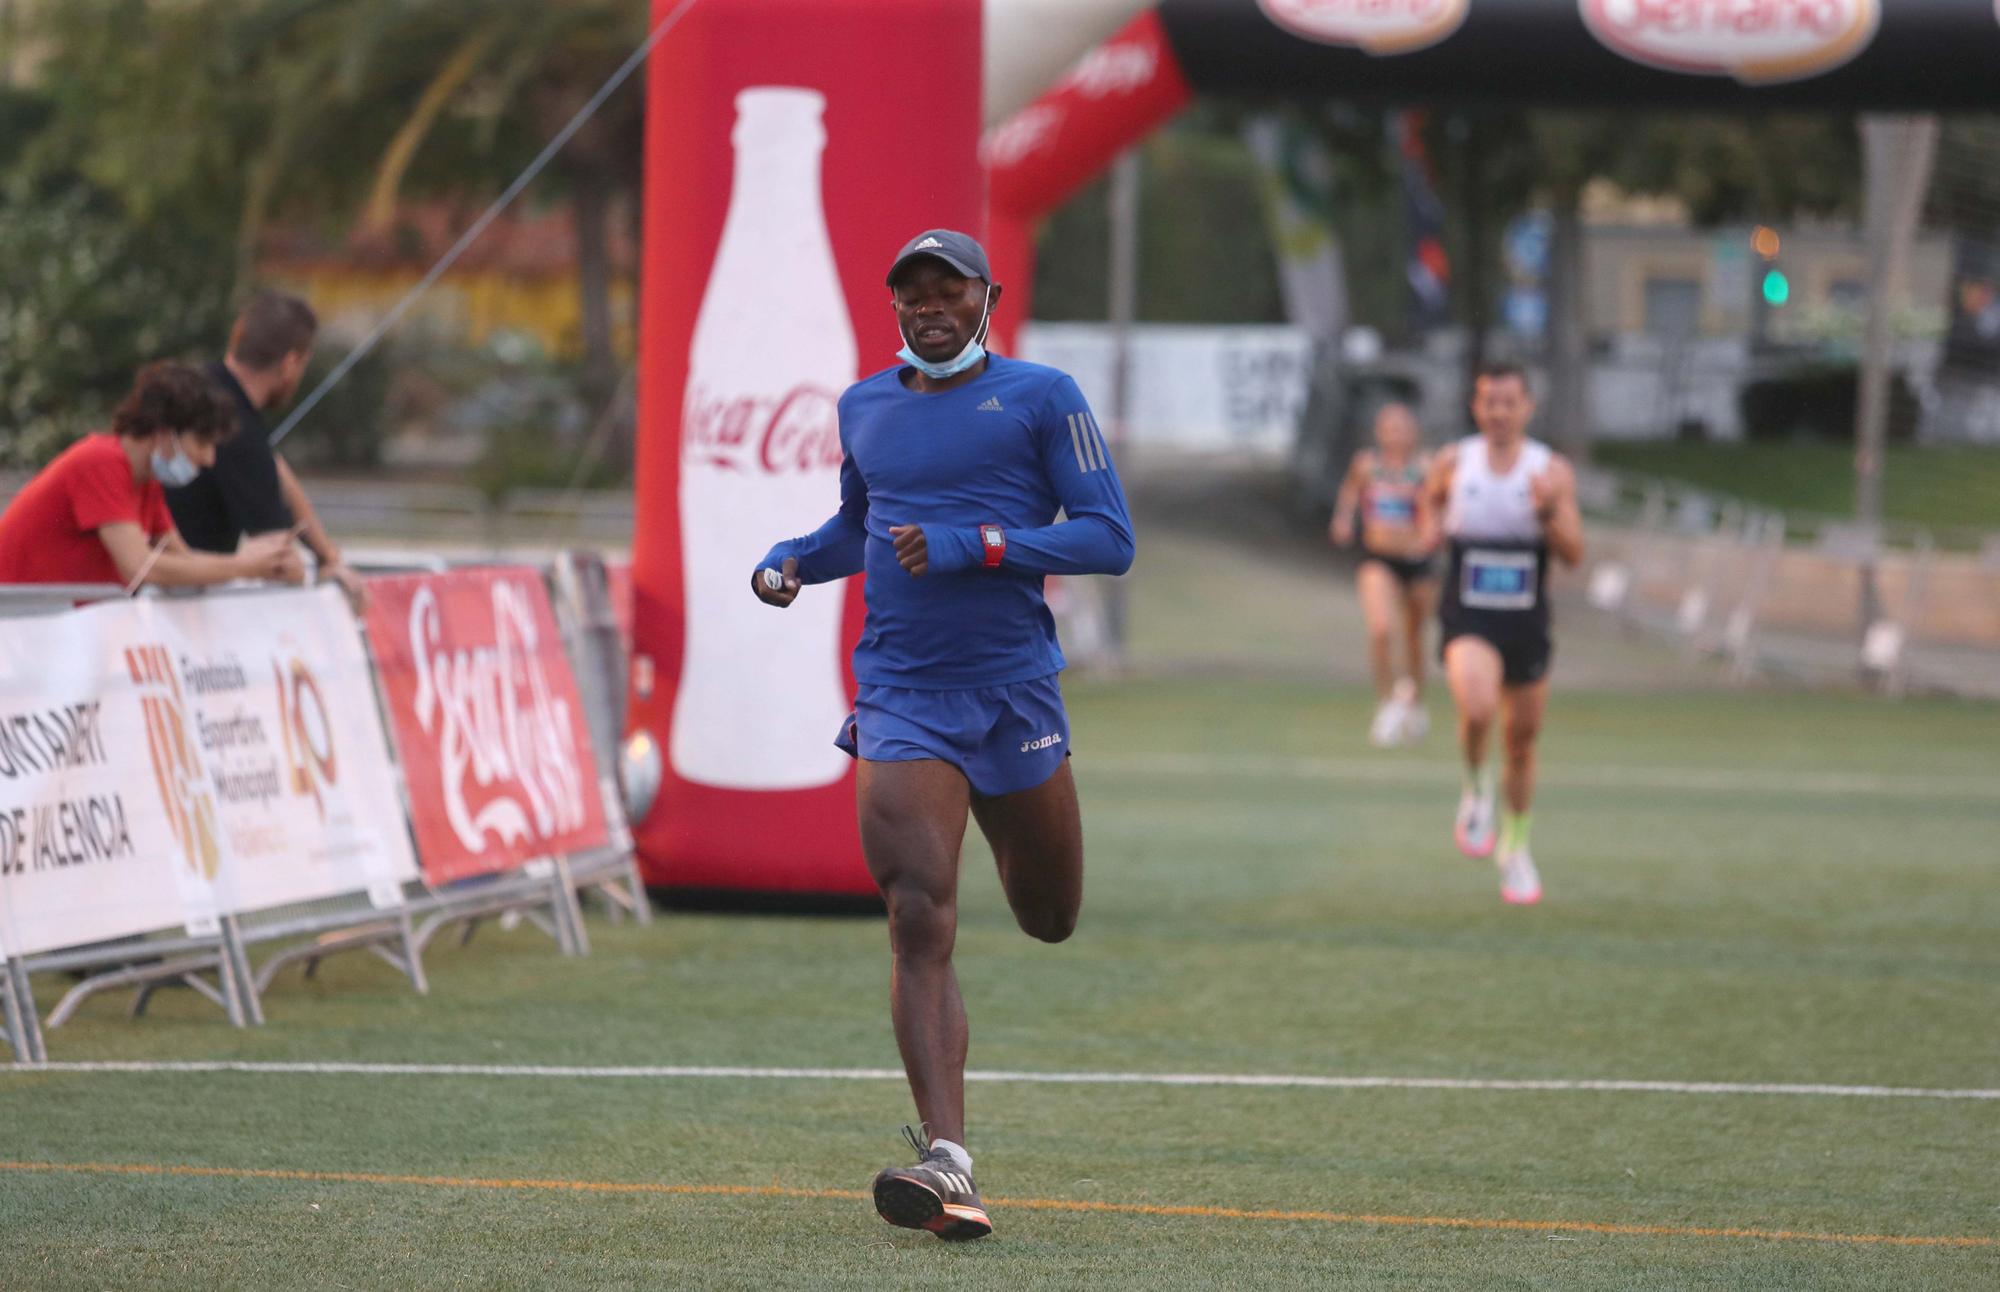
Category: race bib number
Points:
column 1394, row 510
column 1492, row 580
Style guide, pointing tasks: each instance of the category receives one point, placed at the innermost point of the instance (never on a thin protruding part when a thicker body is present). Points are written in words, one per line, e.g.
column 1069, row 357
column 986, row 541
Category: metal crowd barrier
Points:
column 1898, row 608
column 218, row 967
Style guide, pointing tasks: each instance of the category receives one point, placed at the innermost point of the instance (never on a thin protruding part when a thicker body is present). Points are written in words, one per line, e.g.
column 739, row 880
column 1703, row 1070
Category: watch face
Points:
column 993, row 538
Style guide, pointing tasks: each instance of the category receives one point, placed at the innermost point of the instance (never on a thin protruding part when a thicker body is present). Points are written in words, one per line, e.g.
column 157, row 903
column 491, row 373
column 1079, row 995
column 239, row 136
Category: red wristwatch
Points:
column 993, row 540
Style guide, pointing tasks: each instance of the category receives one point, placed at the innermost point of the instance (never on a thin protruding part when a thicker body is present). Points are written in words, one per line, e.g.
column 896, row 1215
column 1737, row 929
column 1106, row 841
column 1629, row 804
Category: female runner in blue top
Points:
column 1396, row 579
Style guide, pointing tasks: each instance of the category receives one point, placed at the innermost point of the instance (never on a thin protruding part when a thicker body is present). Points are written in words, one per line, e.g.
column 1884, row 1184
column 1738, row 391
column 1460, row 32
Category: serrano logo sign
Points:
column 1377, row 26
column 1756, row 41
column 184, row 791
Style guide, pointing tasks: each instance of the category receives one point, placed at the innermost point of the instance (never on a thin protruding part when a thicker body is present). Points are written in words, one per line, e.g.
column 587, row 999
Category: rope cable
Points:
column 486, row 217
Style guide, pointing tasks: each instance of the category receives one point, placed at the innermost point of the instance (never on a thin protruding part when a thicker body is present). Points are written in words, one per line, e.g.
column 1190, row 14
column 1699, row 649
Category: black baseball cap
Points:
column 955, row 249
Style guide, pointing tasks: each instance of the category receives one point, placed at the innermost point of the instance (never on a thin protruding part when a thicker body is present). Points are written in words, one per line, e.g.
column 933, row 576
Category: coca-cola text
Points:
column 795, row 434
column 494, row 715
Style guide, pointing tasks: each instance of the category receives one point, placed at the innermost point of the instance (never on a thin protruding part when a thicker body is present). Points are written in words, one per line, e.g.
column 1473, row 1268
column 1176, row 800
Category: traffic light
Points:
column 1777, row 287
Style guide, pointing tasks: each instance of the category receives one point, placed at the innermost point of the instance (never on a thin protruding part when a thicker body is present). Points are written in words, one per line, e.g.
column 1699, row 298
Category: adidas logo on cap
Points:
column 927, row 243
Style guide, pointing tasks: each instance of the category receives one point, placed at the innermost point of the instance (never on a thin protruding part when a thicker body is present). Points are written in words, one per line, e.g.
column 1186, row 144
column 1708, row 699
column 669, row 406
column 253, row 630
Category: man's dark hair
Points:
column 176, row 397
column 1500, row 370
column 270, row 327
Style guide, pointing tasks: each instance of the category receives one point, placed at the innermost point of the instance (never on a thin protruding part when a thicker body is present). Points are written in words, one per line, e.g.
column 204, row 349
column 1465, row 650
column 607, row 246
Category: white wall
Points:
column 1236, row 389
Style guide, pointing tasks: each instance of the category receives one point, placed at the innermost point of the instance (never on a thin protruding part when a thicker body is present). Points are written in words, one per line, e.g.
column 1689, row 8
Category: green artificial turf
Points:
column 1741, row 887
column 1944, row 487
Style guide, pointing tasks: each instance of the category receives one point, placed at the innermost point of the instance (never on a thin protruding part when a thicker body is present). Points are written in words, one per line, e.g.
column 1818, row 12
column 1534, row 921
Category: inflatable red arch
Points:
column 793, row 145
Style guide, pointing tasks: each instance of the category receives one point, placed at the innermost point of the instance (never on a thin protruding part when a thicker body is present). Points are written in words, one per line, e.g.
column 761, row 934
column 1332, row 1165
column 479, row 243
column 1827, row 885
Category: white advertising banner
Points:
column 165, row 761
column 90, row 762
column 284, row 721
column 1238, row 389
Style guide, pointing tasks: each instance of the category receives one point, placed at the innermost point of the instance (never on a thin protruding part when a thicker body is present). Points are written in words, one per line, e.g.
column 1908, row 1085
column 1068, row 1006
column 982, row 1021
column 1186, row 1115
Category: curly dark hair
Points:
column 177, row 397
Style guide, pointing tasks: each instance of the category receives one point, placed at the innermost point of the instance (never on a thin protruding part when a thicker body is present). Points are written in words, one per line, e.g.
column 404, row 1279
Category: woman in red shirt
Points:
column 97, row 513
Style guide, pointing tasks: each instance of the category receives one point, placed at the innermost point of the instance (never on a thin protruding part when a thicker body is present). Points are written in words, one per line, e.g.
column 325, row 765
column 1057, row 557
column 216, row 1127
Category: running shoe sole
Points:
column 1465, row 844
column 909, row 1203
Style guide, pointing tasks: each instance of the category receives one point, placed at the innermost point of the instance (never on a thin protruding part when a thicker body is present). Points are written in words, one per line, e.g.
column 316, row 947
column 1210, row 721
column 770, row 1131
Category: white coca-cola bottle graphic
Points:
column 762, row 693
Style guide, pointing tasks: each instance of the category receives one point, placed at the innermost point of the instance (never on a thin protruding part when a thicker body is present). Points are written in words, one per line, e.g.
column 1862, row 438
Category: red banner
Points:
column 1114, row 97
column 786, row 165
column 486, row 719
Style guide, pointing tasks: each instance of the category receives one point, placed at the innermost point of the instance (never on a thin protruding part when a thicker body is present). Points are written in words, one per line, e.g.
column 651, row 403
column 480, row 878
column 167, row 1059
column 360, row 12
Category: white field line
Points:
column 1391, row 771
column 1281, row 1081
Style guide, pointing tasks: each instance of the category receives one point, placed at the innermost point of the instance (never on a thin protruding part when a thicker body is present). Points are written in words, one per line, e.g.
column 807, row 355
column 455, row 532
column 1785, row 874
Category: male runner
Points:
column 1396, row 580
column 1503, row 502
column 955, row 463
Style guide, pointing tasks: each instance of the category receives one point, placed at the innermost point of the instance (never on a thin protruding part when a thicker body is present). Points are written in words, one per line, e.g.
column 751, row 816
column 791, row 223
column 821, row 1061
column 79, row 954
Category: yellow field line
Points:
column 1025, row 1204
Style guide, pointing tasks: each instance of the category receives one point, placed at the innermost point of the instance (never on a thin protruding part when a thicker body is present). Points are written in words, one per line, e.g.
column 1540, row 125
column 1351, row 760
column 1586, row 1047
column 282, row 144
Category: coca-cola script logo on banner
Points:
column 1023, row 134
column 1756, row 41
column 1377, row 26
column 800, row 432
column 504, row 740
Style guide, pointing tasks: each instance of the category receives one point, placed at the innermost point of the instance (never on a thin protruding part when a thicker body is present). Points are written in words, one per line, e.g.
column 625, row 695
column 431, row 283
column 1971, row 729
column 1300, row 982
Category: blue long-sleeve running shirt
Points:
column 1009, row 448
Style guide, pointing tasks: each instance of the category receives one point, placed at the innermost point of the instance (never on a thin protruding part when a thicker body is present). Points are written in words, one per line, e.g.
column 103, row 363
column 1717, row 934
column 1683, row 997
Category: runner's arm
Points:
column 1432, row 497
column 836, row 549
column 1562, row 519
column 1095, row 537
column 1348, row 501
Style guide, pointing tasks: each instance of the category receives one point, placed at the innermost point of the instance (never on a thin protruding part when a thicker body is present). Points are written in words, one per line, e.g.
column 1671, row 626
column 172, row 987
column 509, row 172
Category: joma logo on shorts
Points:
column 1046, row 742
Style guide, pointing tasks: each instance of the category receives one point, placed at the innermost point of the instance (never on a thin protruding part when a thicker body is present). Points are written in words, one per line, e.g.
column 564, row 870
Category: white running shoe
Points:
column 1416, row 723
column 1387, row 729
column 1474, row 829
column 1519, row 884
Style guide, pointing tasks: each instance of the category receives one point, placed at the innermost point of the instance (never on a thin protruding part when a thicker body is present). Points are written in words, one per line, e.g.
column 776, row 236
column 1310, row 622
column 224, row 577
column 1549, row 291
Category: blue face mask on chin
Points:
column 176, row 472
column 973, row 352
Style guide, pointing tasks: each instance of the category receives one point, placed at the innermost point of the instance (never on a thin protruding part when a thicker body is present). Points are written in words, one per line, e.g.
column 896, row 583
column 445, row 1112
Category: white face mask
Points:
column 176, row 472
column 973, row 352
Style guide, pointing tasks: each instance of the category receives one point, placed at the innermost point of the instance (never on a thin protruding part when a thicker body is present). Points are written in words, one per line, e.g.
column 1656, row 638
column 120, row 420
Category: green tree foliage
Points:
column 1966, row 193
column 86, row 297
column 1205, row 251
column 222, row 115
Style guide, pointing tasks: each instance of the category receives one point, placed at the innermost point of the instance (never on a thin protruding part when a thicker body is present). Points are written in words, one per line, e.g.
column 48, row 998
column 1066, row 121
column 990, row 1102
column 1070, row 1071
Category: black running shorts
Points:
column 1525, row 647
column 1407, row 572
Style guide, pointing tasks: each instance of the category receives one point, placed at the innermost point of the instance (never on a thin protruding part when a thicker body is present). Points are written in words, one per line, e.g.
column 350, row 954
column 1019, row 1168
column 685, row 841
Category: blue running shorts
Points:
column 1003, row 738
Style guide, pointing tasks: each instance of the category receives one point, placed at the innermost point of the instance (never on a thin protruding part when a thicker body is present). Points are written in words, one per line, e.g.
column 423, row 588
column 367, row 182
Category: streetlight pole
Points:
column 1124, row 307
column 1897, row 153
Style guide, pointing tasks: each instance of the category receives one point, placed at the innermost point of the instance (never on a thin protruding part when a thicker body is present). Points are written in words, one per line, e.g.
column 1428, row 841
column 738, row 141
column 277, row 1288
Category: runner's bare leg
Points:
column 1474, row 670
column 1376, row 588
column 913, row 819
column 1037, row 840
column 1524, row 706
column 1418, row 605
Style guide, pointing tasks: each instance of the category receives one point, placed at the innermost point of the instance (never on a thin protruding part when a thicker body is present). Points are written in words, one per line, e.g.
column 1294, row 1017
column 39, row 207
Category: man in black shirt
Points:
column 250, row 489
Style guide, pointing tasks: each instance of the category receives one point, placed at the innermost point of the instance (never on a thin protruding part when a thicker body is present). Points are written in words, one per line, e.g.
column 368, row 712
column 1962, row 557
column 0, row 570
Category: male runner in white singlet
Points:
column 1502, row 503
